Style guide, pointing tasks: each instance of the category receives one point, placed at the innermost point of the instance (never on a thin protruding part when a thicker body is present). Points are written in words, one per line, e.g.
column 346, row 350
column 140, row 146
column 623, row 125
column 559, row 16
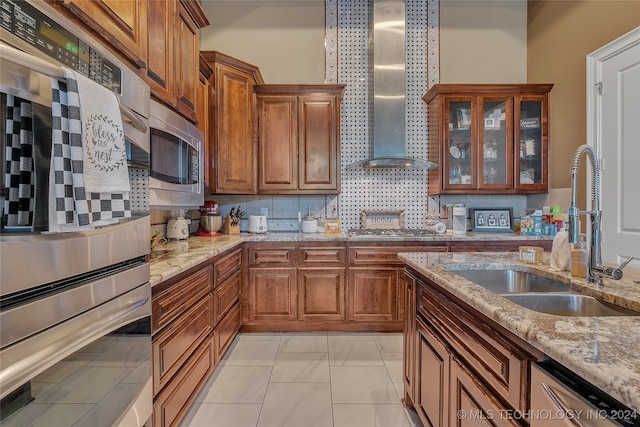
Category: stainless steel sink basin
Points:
column 512, row 281
column 568, row 304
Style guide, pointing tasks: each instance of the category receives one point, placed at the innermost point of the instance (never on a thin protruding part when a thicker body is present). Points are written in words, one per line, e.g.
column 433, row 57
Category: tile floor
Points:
column 304, row 380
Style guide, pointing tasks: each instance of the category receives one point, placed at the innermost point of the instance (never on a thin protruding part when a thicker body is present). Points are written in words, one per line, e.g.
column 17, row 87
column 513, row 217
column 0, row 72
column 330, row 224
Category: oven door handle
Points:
column 23, row 59
column 133, row 118
column 560, row 405
column 32, row 357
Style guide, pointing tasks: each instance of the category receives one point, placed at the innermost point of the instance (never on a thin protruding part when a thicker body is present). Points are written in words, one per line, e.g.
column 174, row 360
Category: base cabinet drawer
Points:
column 172, row 404
column 226, row 330
column 174, row 344
column 169, row 302
column 226, row 295
column 472, row 404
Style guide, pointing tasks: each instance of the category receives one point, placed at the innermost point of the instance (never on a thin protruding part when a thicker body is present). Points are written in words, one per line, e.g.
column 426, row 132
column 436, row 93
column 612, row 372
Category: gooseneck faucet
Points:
column 595, row 270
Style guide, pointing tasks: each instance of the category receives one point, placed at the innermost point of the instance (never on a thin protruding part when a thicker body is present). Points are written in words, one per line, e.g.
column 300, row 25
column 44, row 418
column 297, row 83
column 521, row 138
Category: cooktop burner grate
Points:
column 393, row 232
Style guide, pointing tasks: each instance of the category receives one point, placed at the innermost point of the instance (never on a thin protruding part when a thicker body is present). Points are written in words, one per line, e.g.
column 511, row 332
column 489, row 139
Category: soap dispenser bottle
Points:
column 579, row 258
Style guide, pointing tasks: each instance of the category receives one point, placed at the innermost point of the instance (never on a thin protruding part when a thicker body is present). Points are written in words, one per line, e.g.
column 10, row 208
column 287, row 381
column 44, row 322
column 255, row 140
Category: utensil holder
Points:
column 230, row 228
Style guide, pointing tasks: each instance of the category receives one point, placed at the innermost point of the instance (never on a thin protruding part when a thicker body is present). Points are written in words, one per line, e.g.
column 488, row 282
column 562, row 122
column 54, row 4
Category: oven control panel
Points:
column 37, row 30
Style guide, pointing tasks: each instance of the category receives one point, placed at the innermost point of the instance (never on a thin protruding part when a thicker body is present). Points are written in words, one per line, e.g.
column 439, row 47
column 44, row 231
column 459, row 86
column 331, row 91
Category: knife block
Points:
column 229, row 228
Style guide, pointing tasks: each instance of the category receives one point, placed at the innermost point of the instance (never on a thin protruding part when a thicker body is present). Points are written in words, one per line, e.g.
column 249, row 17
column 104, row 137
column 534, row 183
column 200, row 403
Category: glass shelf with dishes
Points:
column 476, row 131
column 531, row 160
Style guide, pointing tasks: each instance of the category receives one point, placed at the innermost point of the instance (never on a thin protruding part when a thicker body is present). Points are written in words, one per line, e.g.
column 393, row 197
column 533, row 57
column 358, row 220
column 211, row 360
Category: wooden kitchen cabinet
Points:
column 173, row 55
column 298, row 134
column 373, row 294
column 123, row 24
column 203, row 101
column 470, row 397
column 463, row 361
column 488, row 139
column 195, row 317
column 182, row 345
column 375, row 283
column 409, row 339
column 297, row 286
column 227, row 290
column 321, row 292
column 432, row 370
column 232, row 161
column 272, row 294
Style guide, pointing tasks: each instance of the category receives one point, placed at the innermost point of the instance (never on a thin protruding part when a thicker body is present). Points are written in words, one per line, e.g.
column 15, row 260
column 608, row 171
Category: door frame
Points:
column 594, row 75
column 594, row 102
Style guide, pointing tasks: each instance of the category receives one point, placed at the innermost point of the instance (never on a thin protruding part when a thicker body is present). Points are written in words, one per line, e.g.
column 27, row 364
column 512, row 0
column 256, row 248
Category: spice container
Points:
column 531, row 254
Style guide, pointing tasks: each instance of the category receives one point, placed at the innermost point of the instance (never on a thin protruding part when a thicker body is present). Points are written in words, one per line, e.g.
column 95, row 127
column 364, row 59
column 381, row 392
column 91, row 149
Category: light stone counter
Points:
column 173, row 257
column 603, row 350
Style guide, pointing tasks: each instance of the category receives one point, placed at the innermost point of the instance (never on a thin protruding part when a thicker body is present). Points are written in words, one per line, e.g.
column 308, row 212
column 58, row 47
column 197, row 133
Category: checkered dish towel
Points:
column 19, row 177
column 83, row 141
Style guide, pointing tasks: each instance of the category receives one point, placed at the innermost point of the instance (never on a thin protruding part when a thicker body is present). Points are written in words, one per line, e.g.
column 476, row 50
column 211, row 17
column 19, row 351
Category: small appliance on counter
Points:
column 178, row 228
column 309, row 224
column 257, row 224
column 210, row 220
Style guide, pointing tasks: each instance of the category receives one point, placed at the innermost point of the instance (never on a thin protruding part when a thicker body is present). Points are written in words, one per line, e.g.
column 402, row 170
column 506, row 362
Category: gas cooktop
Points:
column 391, row 232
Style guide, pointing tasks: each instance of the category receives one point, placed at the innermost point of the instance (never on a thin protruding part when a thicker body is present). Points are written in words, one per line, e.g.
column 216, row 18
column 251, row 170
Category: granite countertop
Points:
column 172, row 257
column 603, row 350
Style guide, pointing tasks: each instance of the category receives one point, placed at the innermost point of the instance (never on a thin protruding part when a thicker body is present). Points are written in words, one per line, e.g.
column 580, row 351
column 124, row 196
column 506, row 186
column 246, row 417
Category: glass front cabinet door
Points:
column 488, row 139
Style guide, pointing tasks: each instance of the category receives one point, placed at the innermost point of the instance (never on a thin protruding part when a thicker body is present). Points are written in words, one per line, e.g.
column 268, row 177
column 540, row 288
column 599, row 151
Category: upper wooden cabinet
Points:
column 232, row 163
column 173, row 54
column 488, row 139
column 298, row 134
column 203, row 100
column 122, row 23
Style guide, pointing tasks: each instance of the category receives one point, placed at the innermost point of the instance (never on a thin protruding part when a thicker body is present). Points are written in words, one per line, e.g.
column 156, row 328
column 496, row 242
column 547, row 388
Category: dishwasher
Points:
column 559, row 397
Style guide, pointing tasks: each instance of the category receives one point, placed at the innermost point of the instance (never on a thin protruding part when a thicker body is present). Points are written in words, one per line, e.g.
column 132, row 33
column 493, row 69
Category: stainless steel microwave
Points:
column 176, row 160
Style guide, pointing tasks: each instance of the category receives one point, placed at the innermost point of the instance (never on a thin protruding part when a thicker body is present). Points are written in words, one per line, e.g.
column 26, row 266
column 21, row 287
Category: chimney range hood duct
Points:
column 389, row 87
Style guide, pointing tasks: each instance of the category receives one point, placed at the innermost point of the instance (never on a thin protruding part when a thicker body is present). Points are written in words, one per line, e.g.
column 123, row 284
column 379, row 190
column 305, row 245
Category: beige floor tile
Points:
column 362, row 385
column 370, row 415
column 297, row 405
column 251, row 353
column 258, row 336
column 301, row 367
column 236, row 384
column 388, row 343
column 393, row 362
column 354, row 336
column 354, row 353
column 303, row 342
column 222, row 415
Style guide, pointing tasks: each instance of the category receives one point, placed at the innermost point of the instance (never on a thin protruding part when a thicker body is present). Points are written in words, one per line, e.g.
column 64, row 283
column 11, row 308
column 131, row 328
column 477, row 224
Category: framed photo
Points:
column 492, row 219
column 332, row 227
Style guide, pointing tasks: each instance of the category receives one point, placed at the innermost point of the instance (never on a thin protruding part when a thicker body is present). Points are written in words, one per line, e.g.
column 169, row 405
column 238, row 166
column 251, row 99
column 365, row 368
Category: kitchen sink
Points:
column 568, row 304
column 512, row 281
column 542, row 294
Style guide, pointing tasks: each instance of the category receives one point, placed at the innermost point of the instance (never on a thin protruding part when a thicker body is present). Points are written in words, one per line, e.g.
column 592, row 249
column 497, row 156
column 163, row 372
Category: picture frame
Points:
column 492, row 219
column 332, row 227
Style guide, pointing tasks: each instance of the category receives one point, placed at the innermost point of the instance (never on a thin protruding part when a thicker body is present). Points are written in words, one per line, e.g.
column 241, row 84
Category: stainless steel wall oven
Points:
column 75, row 306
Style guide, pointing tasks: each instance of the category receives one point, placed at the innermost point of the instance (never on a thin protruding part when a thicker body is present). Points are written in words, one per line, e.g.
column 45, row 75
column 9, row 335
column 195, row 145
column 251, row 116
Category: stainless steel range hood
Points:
column 389, row 86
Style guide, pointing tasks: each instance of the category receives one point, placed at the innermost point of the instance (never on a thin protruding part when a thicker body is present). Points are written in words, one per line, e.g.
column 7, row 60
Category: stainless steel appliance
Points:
column 559, row 397
column 176, row 174
column 75, row 342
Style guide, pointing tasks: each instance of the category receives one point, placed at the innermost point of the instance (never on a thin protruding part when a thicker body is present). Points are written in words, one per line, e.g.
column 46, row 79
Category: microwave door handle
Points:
column 560, row 404
column 41, row 66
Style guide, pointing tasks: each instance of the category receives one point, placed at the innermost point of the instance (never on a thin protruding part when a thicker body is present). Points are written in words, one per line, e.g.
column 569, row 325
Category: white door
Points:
column 613, row 104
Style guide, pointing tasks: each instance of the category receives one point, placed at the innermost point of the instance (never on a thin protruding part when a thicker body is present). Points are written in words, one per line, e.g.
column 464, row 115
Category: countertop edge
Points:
column 591, row 347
